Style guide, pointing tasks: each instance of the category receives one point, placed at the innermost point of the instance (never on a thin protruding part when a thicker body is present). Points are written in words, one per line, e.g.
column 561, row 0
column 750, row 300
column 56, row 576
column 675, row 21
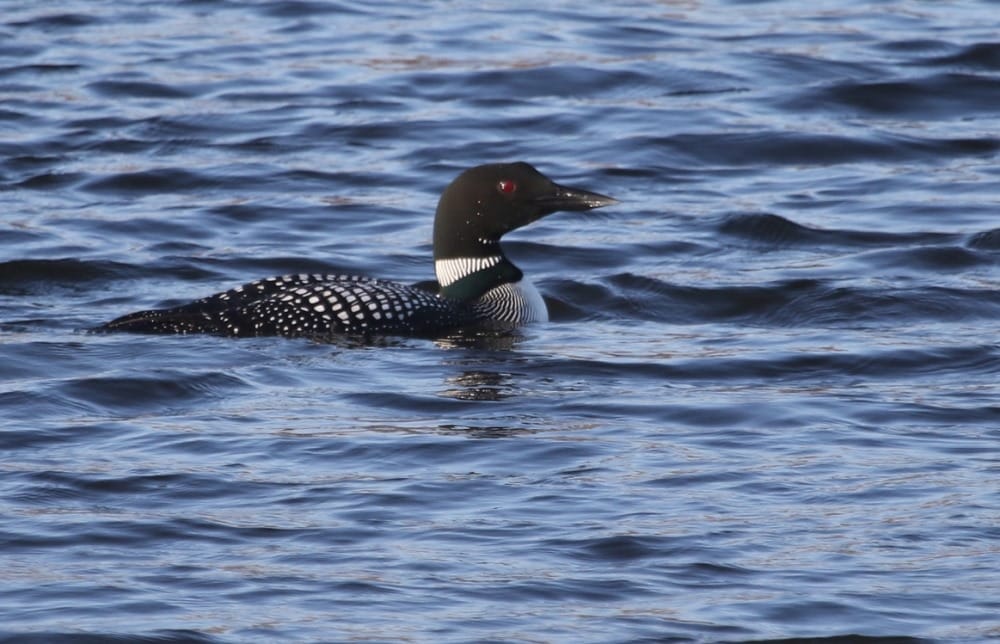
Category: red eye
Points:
column 507, row 186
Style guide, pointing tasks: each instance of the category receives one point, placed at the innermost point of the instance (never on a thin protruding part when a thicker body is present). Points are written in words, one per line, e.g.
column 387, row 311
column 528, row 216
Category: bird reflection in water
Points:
column 479, row 385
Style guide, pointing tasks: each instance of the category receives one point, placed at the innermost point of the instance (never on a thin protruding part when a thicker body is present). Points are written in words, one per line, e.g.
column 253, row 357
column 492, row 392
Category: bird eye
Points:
column 507, row 186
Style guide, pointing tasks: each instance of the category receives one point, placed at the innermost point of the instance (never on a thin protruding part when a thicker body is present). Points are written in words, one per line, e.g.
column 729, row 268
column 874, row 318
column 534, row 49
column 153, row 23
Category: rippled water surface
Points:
column 767, row 404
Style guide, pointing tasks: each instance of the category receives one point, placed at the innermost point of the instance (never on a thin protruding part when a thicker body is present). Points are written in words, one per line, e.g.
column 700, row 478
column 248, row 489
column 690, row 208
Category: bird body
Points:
column 477, row 284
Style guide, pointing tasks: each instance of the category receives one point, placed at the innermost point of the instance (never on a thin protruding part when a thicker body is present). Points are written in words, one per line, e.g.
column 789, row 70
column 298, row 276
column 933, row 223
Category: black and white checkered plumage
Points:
column 477, row 284
column 307, row 305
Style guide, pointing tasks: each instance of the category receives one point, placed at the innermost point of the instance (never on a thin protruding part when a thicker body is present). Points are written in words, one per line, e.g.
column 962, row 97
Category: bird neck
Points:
column 467, row 278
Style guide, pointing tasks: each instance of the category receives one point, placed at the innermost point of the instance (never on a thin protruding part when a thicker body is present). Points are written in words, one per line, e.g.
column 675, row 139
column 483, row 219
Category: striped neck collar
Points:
column 449, row 271
column 466, row 278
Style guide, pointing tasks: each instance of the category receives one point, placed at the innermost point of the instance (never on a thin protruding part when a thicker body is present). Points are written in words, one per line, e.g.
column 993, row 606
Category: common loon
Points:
column 476, row 284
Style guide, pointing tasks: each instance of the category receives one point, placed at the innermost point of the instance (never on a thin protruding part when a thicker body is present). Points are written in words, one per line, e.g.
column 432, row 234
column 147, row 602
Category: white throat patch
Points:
column 449, row 271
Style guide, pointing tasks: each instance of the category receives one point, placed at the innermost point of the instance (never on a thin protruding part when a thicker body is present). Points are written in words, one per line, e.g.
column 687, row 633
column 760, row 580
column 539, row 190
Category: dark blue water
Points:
column 767, row 405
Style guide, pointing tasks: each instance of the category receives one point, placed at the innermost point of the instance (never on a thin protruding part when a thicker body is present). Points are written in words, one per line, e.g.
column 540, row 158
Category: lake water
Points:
column 767, row 405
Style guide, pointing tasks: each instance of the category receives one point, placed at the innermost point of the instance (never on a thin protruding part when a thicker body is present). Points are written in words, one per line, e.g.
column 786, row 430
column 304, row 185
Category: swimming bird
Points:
column 477, row 285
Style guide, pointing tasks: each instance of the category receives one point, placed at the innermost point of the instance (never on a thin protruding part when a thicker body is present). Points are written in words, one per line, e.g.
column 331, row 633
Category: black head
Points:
column 486, row 202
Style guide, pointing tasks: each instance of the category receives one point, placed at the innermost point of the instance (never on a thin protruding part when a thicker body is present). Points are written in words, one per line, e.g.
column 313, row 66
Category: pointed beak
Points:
column 566, row 198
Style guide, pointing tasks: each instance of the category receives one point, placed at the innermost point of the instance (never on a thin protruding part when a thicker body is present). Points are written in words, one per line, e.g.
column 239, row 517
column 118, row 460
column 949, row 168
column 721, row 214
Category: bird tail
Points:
column 162, row 321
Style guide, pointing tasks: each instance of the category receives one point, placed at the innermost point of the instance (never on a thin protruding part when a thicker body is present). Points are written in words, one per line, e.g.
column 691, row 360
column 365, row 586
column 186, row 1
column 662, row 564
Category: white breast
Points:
column 515, row 302
column 535, row 309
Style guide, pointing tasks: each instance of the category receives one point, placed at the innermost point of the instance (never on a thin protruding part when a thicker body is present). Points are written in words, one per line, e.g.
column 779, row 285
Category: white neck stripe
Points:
column 449, row 271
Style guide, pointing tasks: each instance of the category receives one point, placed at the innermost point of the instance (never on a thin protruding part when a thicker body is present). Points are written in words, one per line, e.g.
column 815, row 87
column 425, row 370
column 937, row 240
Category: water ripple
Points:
column 765, row 407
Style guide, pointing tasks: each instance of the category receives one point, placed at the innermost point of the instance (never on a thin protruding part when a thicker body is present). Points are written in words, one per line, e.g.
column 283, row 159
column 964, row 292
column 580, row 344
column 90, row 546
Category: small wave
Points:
column 304, row 8
column 159, row 636
column 57, row 487
column 50, row 180
column 931, row 258
column 630, row 296
column 912, row 364
column 58, row 21
column 39, row 68
column 916, row 45
column 139, row 89
column 771, row 229
column 13, row 116
column 158, row 181
column 150, row 393
column 802, row 302
column 986, row 240
column 525, row 80
column 623, row 547
column 802, row 148
column 942, row 95
column 24, row 276
column 985, row 55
